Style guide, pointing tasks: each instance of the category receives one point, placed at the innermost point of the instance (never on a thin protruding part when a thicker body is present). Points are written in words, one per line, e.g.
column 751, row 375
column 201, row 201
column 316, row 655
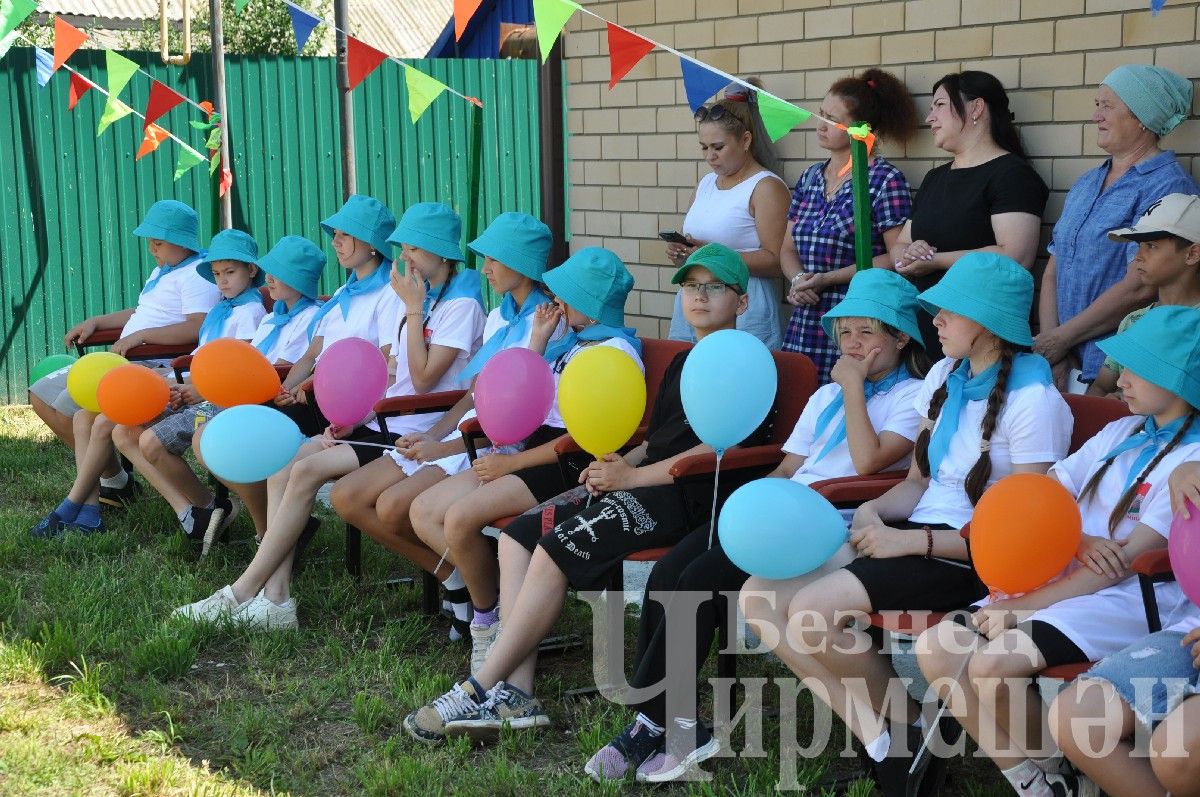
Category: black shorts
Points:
column 307, row 416
column 588, row 541
column 368, row 454
column 547, row 481
column 1055, row 646
column 914, row 582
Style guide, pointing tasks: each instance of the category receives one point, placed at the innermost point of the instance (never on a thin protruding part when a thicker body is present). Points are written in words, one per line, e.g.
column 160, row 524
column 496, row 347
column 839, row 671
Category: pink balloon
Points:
column 349, row 379
column 1183, row 545
column 513, row 395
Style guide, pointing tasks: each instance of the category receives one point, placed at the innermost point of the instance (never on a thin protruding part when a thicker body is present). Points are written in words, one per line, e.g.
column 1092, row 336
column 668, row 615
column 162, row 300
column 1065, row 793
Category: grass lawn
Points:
column 100, row 694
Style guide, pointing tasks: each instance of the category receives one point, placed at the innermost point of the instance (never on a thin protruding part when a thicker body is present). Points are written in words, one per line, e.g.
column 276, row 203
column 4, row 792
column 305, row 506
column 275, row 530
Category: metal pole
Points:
column 341, row 19
column 218, row 74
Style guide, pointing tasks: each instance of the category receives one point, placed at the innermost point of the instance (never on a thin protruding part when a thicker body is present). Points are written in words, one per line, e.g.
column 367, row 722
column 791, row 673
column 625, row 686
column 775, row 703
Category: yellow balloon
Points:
column 602, row 397
column 83, row 380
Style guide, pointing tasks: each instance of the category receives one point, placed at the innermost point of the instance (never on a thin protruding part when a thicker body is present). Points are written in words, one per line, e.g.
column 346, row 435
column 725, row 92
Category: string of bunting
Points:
column 362, row 59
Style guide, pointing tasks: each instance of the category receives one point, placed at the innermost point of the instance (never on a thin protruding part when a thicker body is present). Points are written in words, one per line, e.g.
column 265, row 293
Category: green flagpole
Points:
column 862, row 204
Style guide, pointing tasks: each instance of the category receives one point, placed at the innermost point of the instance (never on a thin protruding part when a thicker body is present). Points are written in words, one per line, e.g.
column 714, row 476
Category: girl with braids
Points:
column 1095, row 608
column 988, row 198
column 989, row 409
column 817, row 254
column 742, row 203
column 430, row 333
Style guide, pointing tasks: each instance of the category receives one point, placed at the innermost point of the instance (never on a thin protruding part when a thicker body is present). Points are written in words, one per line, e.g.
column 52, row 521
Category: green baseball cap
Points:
column 724, row 263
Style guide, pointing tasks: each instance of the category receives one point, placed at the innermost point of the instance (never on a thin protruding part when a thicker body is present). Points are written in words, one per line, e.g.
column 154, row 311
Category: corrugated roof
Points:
column 406, row 30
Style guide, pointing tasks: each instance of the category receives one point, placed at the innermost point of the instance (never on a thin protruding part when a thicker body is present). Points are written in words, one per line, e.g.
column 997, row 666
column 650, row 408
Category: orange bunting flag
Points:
column 207, row 107
column 226, row 182
column 155, row 135
column 625, row 50
column 79, row 86
column 162, row 99
column 67, row 39
column 463, row 11
column 361, row 60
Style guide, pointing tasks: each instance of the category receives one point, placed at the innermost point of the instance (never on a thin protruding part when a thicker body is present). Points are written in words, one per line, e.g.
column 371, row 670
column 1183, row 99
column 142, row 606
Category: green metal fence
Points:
column 69, row 201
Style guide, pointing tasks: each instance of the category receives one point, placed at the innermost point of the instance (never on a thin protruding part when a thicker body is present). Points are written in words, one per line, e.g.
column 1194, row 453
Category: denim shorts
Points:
column 1154, row 675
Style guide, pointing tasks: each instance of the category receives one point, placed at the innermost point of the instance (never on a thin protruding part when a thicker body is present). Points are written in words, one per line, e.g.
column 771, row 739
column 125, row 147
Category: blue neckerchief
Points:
column 353, row 287
column 280, row 318
column 165, row 270
column 214, row 322
column 595, row 332
column 838, row 405
column 518, row 322
column 1150, row 439
column 1027, row 369
column 462, row 285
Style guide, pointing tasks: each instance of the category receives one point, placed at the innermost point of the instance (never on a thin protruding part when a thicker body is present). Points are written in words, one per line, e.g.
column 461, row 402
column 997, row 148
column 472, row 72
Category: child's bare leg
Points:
column 59, row 424
column 171, row 475
column 463, row 527
column 357, row 496
column 428, row 513
column 93, row 455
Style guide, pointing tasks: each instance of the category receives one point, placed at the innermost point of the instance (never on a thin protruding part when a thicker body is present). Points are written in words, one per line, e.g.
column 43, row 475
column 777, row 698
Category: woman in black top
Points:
column 987, row 198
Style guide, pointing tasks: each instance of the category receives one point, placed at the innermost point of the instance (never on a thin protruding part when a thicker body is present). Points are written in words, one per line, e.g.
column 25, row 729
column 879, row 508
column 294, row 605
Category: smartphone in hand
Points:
column 673, row 237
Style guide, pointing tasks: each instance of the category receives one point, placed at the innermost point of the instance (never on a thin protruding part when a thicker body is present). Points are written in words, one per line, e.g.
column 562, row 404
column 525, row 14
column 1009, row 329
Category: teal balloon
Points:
column 728, row 387
column 249, row 443
column 779, row 529
column 49, row 365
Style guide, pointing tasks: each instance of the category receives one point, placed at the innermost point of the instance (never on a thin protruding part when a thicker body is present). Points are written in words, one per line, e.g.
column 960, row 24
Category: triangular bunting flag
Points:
column 6, row 43
column 79, row 86
column 120, row 71
column 67, row 39
column 45, row 66
column 155, row 135
column 13, row 13
column 303, row 24
column 207, row 107
column 162, row 99
column 625, row 49
column 188, row 160
column 700, row 82
column 1156, row 6
column 422, row 91
column 114, row 109
column 214, row 138
column 213, row 161
column 778, row 116
column 240, row 5
column 463, row 11
column 549, row 17
column 226, row 182
column 361, row 60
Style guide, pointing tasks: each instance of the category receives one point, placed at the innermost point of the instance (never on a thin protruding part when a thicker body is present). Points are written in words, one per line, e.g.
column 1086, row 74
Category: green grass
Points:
column 101, row 694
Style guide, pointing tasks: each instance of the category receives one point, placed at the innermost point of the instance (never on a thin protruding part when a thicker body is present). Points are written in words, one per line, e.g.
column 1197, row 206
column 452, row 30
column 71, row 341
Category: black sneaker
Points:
column 121, row 497
column 212, row 524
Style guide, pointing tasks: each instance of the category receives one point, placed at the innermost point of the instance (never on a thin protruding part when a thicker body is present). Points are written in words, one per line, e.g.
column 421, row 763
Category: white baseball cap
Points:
column 1174, row 214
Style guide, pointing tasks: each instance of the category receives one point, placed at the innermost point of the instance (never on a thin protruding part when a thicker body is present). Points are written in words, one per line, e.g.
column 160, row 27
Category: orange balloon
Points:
column 1025, row 531
column 132, row 395
column 230, row 372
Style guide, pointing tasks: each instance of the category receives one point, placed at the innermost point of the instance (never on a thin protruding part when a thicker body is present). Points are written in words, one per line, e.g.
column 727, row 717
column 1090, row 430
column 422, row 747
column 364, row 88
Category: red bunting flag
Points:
column 79, row 86
column 361, row 60
column 155, row 135
column 67, row 39
column 226, row 182
column 463, row 11
column 625, row 50
column 162, row 99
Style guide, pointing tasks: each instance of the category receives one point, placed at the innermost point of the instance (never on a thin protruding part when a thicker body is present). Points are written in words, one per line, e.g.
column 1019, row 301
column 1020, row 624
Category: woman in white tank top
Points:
column 741, row 204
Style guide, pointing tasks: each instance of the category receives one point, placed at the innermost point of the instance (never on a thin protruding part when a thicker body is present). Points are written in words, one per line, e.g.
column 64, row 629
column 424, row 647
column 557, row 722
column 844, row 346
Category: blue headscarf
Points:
column 281, row 317
column 838, row 405
column 214, row 322
column 514, row 330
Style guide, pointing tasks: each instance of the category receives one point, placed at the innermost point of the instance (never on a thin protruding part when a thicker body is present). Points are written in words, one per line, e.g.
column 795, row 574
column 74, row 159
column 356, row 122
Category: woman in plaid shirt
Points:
column 818, row 250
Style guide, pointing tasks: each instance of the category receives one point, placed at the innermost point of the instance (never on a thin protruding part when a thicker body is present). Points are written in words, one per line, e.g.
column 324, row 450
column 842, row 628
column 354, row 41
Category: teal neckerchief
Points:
column 593, row 333
column 165, row 270
column 838, row 405
column 280, row 318
column 507, row 335
column 1150, row 439
column 354, row 287
column 214, row 322
column 1027, row 369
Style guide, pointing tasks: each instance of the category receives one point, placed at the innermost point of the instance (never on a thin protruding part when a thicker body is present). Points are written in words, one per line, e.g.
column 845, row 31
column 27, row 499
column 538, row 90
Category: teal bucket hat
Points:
column 595, row 282
column 517, row 240
column 880, row 294
column 296, row 262
column 1162, row 347
column 366, row 219
column 231, row 245
column 171, row 221
column 431, row 226
column 992, row 290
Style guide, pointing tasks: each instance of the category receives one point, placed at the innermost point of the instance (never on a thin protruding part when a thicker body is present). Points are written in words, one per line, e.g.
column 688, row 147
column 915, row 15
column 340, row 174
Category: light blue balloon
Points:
column 778, row 529
column 728, row 386
column 249, row 443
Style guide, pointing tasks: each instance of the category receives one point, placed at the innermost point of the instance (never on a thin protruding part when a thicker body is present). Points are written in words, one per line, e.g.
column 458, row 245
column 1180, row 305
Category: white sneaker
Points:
column 261, row 613
column 221, row 605
column 483, row 638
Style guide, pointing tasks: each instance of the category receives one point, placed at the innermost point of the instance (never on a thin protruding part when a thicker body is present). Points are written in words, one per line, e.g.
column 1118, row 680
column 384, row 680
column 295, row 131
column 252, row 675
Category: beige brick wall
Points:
column 633, row 153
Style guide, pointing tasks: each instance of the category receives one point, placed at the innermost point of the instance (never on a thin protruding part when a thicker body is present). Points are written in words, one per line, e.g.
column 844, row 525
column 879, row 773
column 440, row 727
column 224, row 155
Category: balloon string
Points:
column 364, row 443
column 933, row 726
column 712, row 518
column 438, row 566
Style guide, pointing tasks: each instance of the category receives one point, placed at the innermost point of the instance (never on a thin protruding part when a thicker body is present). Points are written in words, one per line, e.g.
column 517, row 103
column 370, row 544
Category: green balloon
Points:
column 49, row 365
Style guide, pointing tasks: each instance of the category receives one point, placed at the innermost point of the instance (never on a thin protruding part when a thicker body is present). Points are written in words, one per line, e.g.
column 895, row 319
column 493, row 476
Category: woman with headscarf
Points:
column 1086, row 289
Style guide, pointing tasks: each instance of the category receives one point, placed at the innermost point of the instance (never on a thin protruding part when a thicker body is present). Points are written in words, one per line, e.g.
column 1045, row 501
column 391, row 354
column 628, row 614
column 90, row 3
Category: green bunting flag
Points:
column 240, row 5
column 549, row 17
column 422, row 91
column 120, row 72
column 188, row 160
column 114, row 109
column 13, row 13
column 6, row 43
column 778, row 116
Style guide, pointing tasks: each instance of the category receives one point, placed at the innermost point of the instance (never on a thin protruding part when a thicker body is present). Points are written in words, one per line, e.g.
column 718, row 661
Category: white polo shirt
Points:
column 180, row 293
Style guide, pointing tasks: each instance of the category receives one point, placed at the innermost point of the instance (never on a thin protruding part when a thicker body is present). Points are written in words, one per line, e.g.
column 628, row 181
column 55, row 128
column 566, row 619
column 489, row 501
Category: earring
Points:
column 975, row 121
